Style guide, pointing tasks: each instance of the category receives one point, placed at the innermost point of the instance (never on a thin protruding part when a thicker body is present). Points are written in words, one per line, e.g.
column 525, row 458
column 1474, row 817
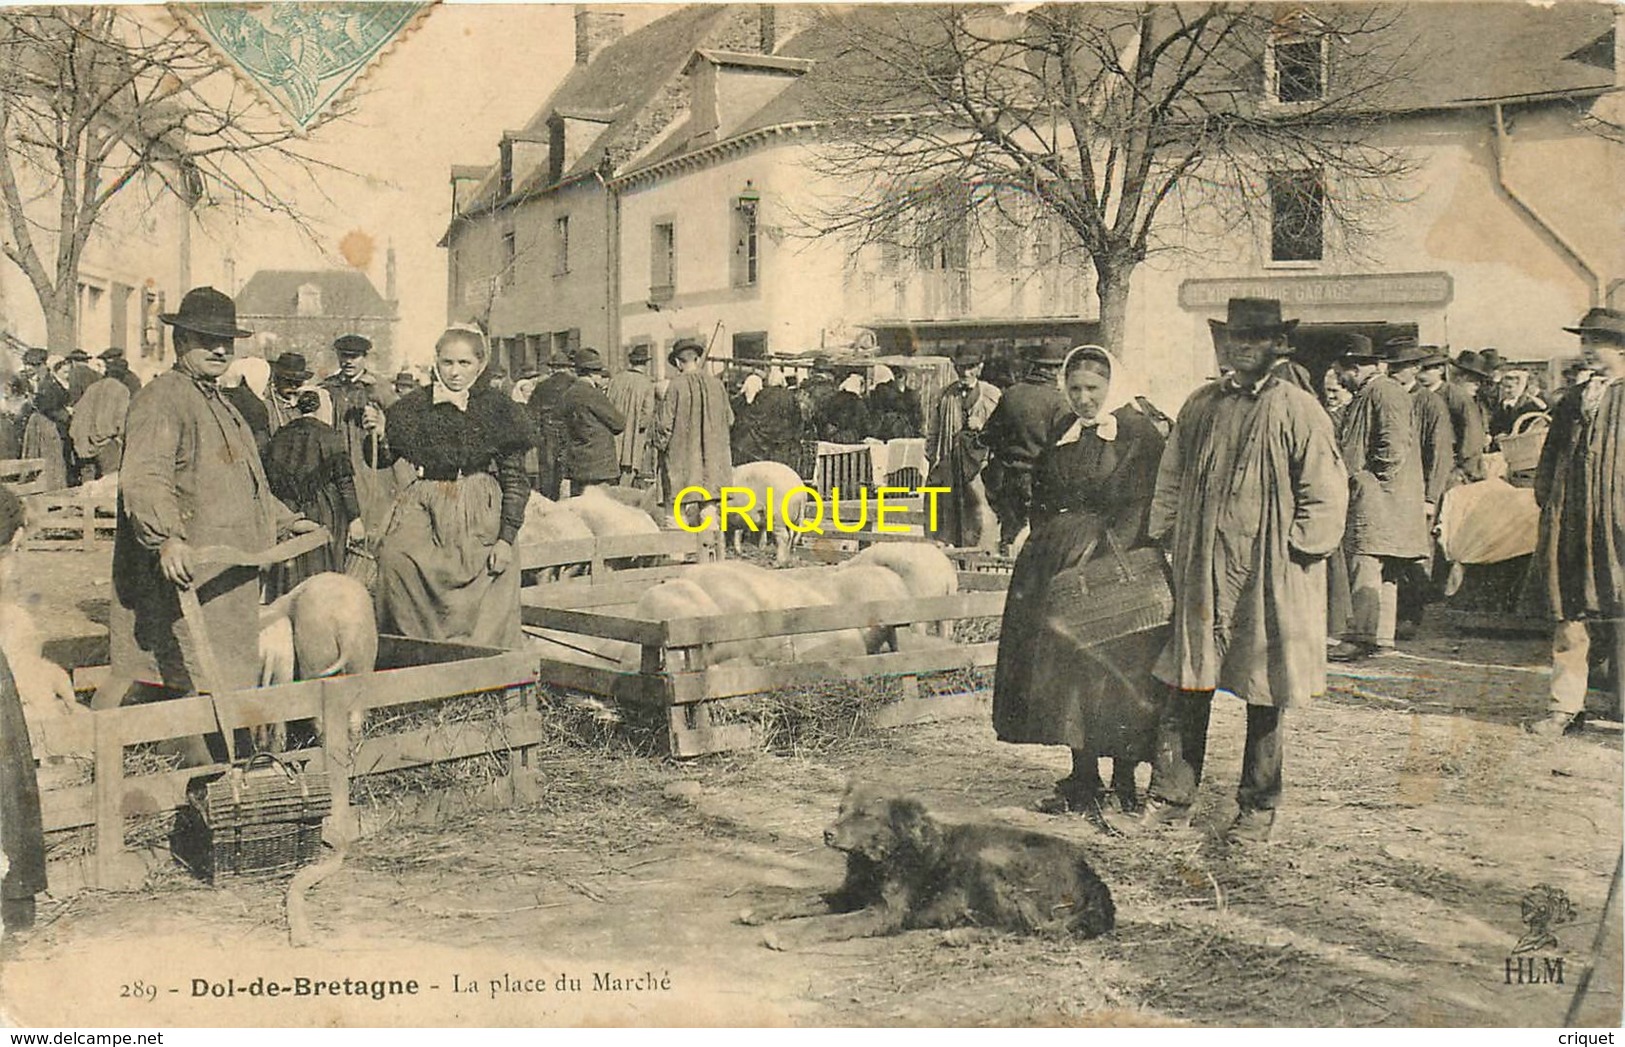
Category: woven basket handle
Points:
column 1124, row 573
column 271, row 758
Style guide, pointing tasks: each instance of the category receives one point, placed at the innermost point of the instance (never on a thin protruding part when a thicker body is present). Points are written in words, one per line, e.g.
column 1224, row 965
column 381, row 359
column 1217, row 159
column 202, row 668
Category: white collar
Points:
column 442, row 395
column 1104, row 425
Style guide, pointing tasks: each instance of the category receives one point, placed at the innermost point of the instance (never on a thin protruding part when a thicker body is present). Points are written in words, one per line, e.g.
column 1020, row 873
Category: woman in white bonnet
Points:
column 1092, row 487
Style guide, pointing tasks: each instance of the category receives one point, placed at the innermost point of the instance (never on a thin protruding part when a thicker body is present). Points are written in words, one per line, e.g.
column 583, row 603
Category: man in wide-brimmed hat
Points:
column 693, row 429
column 632, row 392
column 1031, row 412
column 191, row 478
column 546, row 409
column 1436, row 444
column 1387, row 524
column 1457, row 384
column 592, row 423
column 289, row 374
column 1251, row 498
column 81, row 376
column 954, row 447
column 1582, row 529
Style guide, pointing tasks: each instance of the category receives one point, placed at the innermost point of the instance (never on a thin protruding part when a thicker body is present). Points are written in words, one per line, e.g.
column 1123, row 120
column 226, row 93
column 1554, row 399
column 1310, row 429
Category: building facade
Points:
column 1503, row 231
column 305, row 310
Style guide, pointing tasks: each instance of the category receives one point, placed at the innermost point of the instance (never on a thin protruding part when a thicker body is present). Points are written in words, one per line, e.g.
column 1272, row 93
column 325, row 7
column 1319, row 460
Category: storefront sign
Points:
column 1309, row 291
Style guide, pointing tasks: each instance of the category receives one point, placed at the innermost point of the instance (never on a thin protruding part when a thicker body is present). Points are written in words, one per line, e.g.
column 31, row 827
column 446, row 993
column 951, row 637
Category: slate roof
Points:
column 345, row 293
column 1455, row 54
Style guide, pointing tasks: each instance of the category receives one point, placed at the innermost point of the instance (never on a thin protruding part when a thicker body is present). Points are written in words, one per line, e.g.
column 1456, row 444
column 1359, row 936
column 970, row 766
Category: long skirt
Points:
column 1049, row 690
column 434, row 582
column 22, row 835
column 42, row 439
column 327, row 509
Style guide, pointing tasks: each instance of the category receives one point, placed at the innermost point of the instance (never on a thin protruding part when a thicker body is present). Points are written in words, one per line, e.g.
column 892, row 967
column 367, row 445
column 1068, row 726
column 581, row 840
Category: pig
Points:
column 759, row 477
column 671, row 599
column 743, row 588
column 323, row 627
column 44, row 687
column 865, row 583
column 607, row 517
column 923, row 567
column 276, row 650
column 331, row 619
column 549, row 521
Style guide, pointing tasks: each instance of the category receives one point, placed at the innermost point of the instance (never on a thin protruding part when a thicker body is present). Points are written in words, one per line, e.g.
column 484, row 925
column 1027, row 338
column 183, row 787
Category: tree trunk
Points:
column 1111, row 286
column 61, row 318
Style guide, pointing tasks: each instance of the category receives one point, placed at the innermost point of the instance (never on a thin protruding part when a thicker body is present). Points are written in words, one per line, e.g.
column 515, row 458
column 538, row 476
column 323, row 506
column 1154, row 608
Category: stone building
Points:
column 304, row 310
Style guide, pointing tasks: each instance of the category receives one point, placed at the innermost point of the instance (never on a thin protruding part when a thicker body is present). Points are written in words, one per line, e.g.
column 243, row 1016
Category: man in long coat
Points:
column 552, row 436
column 97, row 428
column 1387, row 526
column 81, row 376
column 1436, row 444
column 592, row 423
column 1251, row 498
column 1580, row 486
column 1466, row 421
column 191, row 479
column 954, row 447
column 692, row 429
column 1028, row 414
column 356, row 392
column 632, row 392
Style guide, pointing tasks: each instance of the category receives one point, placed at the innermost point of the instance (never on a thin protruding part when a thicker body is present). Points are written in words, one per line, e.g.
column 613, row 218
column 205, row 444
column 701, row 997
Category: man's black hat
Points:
column 207, row 312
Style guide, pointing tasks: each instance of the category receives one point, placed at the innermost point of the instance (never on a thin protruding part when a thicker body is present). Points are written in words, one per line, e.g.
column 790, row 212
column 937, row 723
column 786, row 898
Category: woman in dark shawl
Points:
column 1092, row 490
column 446, row 568
column 309, row 468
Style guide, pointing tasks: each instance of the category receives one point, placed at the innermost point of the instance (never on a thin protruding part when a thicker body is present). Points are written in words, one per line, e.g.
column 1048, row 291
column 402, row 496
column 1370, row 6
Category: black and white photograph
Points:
column 1059, row 514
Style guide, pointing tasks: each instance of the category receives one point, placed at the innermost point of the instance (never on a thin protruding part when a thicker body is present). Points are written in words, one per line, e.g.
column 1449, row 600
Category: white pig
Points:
column 671, row 599
column 865, row 583
column 608, row 517
column 751, row 588
column 759, row 478
column 334, row 630
column 923, row 567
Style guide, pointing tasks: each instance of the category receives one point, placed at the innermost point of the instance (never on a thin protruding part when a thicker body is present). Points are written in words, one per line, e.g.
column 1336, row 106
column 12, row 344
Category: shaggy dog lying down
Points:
column 904, row 871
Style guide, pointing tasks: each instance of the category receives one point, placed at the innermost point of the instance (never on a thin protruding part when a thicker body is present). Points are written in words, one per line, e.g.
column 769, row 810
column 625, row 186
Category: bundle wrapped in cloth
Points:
column 1488, row 522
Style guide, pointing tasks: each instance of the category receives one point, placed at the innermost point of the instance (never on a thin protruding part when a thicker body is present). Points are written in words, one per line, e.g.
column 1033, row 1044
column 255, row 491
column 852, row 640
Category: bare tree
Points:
column 1121, row 121
column 95, row 100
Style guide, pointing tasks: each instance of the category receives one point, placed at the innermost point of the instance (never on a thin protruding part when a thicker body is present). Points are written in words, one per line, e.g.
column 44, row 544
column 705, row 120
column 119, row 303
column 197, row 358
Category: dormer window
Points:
column 1299, row 70
column 309, row 301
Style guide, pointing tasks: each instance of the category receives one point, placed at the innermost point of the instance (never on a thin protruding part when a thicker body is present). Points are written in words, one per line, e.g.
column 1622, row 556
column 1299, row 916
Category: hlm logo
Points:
column 1544, row 908
column 1534, row 970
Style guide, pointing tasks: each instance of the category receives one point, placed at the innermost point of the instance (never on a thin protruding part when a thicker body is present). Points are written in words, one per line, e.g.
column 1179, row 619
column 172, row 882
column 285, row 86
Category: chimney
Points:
column 389, row 275
column 777, row 23
column 595, row 30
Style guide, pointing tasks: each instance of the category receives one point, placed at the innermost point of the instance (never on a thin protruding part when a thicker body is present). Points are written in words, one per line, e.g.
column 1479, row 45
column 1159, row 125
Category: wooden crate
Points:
column 411, row 671
column 595, row 554
column 674, row 678
column 23, row 475
column 70, row 520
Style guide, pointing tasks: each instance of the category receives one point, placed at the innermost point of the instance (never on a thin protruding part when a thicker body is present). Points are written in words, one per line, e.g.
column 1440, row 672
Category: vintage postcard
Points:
column 1090, row 514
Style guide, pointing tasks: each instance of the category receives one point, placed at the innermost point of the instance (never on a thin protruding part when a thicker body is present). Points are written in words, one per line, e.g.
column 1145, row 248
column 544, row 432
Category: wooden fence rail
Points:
column 112, row 796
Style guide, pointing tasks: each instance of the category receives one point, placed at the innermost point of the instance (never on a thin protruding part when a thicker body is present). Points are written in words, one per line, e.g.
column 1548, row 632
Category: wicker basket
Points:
column 260, row 819
column 1523, row 444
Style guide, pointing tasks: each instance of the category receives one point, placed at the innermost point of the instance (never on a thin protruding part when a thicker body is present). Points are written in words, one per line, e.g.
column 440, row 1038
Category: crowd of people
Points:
column 1295, row 512
column 1296, row 515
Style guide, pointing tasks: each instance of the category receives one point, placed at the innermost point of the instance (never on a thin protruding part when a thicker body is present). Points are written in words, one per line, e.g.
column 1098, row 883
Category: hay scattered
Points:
column 485, row 711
